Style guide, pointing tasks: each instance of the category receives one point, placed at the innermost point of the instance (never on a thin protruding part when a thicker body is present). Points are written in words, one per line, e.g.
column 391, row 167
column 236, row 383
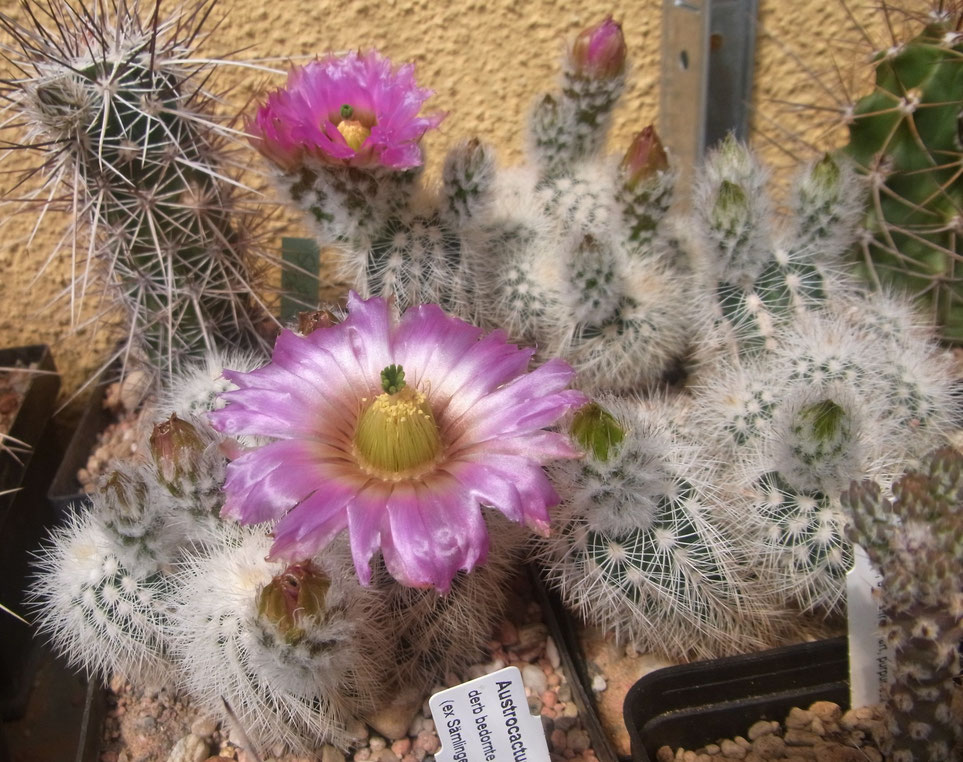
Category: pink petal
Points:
column 264, row 483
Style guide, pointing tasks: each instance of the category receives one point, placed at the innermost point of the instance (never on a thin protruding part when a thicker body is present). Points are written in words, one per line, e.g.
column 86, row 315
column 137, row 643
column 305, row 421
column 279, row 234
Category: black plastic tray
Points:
column 563, row 632
column 696, row 704
column 65, row 490
column 24, row 514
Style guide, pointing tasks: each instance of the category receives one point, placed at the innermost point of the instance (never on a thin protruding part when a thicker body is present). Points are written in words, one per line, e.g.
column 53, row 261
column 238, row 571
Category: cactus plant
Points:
column 904, row 137
column 795, row 354
column 133, row 149
column 915, row 540
column 567, row 252
column 639, row 548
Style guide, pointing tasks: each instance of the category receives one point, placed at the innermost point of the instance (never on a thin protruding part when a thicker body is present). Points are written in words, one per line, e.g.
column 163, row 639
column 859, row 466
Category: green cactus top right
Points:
column 905, row 135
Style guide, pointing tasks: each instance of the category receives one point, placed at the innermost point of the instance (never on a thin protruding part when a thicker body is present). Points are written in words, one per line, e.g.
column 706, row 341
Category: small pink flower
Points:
column 354, row 109
column 599, row 51
column 399, row 431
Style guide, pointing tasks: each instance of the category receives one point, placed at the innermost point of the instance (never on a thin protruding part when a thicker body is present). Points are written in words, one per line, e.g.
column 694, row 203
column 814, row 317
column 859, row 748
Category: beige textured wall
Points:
column 485, row 61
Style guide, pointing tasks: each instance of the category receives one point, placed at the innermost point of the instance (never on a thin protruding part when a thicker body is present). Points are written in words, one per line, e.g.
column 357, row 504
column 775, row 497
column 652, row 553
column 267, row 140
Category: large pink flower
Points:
column 399, row 431
column 354, row 109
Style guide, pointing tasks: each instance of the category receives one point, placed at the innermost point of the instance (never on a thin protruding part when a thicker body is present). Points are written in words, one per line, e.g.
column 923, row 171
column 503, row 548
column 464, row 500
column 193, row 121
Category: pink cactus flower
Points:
column 399, row 431
column 357, row 110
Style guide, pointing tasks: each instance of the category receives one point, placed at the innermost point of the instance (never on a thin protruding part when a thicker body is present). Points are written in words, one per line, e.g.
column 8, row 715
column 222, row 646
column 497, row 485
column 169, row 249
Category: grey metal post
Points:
column 707, row 62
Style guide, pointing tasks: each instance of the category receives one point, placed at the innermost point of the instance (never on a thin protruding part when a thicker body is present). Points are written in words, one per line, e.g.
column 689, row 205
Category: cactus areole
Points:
column 905, row 135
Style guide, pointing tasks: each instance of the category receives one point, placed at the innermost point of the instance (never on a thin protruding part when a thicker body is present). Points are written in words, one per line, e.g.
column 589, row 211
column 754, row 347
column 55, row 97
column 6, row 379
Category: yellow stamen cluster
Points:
column 354, row 132
column 397, row 435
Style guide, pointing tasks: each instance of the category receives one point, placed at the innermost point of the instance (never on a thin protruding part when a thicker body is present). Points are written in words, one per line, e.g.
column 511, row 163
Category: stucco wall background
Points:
column 484, row 60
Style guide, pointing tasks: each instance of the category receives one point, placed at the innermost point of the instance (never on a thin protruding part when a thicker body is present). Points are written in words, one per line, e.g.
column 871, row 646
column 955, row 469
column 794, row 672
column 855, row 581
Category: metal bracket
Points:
column 707, row 57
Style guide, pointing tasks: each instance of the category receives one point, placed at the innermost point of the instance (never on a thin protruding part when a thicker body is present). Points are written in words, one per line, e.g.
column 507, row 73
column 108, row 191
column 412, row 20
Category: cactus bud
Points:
column 292, row 596
column 175, row 446
column 731, row 209
column 309, row 322
column 645, row 157
column 124, row 498
column 596, row 431
column 599, row 51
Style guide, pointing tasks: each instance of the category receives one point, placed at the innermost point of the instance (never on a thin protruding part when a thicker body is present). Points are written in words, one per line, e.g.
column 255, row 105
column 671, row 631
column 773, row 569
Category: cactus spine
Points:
column 133, row 149
column 904, row 137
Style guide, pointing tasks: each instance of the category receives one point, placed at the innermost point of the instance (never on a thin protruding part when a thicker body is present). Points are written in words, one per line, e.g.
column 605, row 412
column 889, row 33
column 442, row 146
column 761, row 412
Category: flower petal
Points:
column 264, row 483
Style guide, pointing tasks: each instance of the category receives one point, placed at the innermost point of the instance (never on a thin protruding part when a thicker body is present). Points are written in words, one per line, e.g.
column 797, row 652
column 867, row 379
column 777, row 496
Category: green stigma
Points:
column 393, row 379
column 346, row 111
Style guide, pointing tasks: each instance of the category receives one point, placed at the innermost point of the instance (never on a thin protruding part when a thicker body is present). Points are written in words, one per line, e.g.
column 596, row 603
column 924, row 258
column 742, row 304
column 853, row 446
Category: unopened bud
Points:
column 596, row 431
column 731, row 209
column 293, row 596
column 599, row 51
column 124, row 498
column 309, row 322
column 645, row 157
column 175, row 447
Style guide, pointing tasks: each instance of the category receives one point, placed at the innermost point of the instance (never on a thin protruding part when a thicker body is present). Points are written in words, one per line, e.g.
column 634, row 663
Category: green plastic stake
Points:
column 300, row 277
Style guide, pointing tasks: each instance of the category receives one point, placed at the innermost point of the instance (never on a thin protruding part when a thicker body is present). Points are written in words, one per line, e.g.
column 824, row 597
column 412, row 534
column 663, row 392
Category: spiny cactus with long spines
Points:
column 904, row 135
column 567, row 252
column 914, row 537
column 115, row 101
column 639, row 547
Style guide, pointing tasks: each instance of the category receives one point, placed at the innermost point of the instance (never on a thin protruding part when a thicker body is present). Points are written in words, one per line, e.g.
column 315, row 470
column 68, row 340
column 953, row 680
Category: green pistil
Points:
column 347, row 111
column 393, row 379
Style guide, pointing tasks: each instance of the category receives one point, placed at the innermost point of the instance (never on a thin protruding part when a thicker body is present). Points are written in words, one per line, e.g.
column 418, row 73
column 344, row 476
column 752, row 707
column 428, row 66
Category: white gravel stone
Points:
column 552, row 654
column 190, row 748
column 599, row 684
column 535, row 678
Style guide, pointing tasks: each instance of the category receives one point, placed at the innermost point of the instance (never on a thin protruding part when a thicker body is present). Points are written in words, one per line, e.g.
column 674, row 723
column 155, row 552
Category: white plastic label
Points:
column 869, row 656
column 487, row 720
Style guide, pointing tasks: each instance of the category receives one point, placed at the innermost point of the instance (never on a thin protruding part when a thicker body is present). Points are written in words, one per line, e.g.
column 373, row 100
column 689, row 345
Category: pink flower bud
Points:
column 645, row 157
column 599, row 51
column 292, row 596
column 175, row 447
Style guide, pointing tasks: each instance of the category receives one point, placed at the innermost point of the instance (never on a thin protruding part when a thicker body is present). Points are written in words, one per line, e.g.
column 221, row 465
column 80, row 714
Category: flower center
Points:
column 397, row 435
column 353, row 131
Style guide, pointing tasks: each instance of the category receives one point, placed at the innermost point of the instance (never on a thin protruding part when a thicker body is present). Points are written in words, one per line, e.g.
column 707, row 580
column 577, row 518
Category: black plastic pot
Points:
column 64, row 489
column 696, row 704
column 563, row 632
column 24, row 515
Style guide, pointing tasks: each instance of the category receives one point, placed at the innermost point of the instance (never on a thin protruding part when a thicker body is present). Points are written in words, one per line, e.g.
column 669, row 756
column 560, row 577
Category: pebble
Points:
column 552, row 654
column 577, row 740
column 401, row 746
column 331, row 754
column 732, row 749
column 534, row 678
column 761, row 728
column 190, row 748
column 204, row 726
column 548, row 698
column 799, row 718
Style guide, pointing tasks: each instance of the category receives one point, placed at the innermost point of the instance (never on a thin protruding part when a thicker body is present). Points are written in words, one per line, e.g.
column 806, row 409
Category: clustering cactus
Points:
column 567, row 252
column 150, row 584
column 134, row 150
column 904, row 135
column 693, row 518
column 915, row 540
column 813, row 383
column 639, row 548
